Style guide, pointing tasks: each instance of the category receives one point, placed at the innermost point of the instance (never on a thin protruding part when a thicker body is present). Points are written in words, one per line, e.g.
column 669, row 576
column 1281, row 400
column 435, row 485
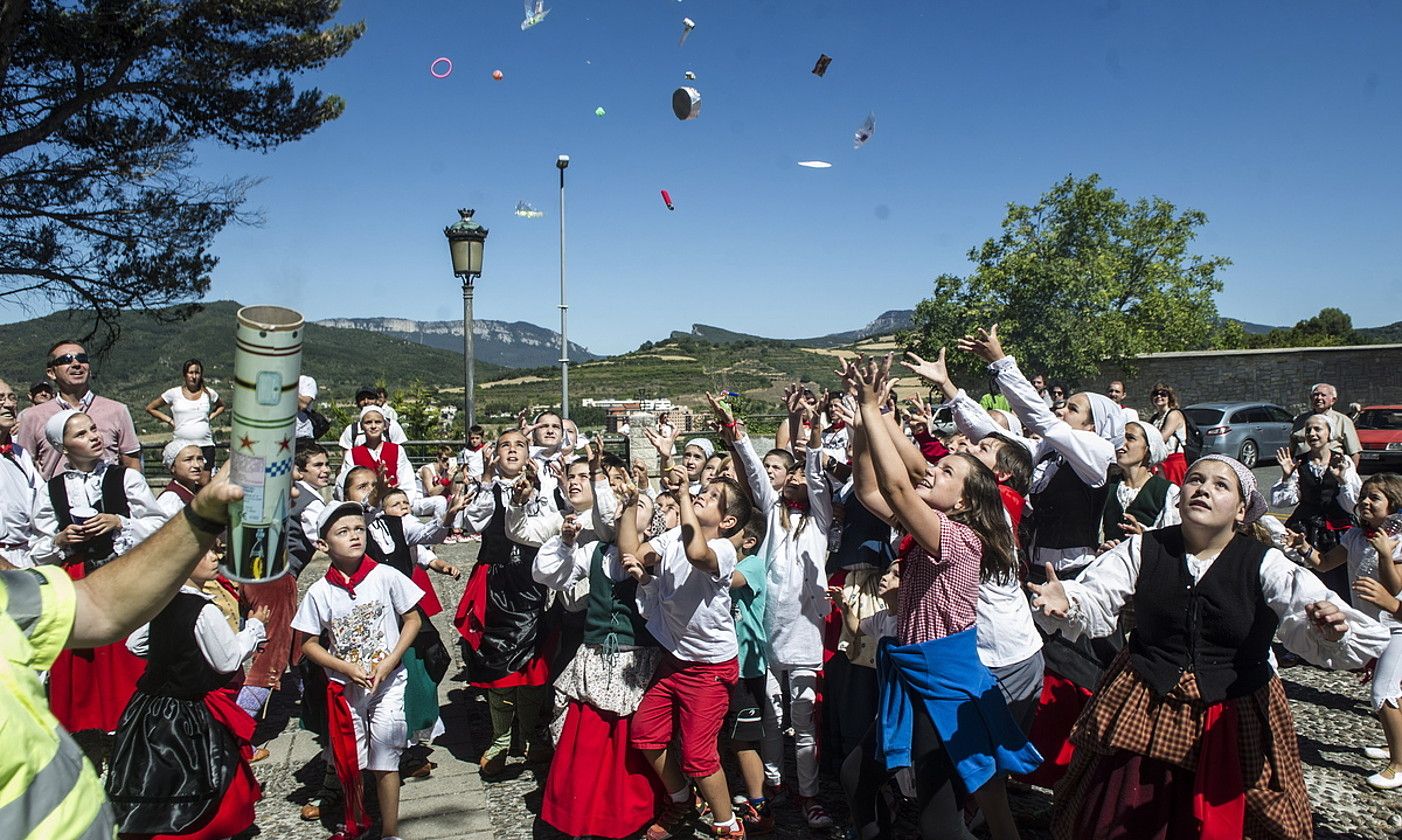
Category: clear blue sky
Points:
column 1282, row 121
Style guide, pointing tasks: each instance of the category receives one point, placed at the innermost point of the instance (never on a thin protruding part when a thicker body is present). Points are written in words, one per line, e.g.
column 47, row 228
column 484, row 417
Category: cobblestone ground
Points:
column 1331, row 716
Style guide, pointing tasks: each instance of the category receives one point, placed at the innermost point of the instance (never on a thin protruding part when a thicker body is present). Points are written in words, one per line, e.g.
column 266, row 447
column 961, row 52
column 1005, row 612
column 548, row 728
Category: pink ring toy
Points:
column 433, row 68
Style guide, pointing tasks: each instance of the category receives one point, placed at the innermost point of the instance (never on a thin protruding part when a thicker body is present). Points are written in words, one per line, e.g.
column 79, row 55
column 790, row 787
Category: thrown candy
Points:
column 526, row 211
column 535, row 13
column 599, row 111
column 815, row 164
column 689, row 75
column 686, row 103
column 864, row 132
column 667, row 200
column 687, row 25
column 822, row 66
column 497, row 74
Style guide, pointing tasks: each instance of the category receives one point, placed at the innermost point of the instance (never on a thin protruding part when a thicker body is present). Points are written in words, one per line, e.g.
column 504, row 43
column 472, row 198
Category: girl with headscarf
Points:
column 1139, row 499
column 1323, row 485
column 1189, row 734
column 1072, row 458
column 388, row 459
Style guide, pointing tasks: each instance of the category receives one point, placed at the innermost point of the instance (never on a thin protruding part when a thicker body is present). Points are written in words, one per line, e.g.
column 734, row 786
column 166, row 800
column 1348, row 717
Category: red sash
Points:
column 341, row 731
column 389, row 459
column 1219, row 795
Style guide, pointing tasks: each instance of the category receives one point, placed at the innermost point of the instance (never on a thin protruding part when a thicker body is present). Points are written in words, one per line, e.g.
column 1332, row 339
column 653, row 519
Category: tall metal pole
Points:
column 469, row 397
column 561, row 163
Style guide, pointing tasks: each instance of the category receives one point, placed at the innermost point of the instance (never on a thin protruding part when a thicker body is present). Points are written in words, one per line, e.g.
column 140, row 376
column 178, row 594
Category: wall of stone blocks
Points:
column 1367, row 375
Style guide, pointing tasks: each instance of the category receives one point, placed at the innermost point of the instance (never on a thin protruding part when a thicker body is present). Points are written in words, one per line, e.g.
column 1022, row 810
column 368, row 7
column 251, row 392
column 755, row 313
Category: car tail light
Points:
column 1217, row 430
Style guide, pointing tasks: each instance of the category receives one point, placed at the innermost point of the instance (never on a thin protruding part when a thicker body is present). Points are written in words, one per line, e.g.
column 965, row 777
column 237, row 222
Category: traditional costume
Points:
column 180, row 764
column 1324, row 506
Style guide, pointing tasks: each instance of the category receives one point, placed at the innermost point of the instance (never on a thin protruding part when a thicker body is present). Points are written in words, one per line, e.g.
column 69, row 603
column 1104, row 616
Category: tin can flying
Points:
column 267, row 363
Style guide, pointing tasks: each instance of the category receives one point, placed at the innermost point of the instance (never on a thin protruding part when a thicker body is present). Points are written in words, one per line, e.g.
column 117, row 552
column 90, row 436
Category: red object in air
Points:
column 667, row 199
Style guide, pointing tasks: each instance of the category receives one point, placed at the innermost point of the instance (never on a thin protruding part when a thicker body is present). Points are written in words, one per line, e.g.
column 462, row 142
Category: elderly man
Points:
column 70, row 371
column 1345, row 437
column 47, row 788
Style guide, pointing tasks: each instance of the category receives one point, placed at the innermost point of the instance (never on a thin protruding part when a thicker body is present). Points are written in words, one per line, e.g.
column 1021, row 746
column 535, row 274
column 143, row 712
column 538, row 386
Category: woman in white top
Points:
column 191, row 405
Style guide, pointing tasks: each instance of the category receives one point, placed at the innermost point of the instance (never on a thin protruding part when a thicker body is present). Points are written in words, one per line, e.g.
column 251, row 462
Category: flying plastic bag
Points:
column 863, row 133
column 526, row 211
column 535, row 13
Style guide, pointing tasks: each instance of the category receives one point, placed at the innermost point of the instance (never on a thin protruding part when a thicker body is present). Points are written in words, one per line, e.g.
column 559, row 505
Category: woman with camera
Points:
column 1323, row 485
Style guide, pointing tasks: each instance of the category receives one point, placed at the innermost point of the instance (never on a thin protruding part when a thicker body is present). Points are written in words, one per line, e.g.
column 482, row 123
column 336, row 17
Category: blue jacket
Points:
column 963, row 701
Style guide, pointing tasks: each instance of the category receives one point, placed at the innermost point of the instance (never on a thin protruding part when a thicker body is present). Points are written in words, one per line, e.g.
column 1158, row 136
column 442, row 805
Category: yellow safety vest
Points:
column 48, row 790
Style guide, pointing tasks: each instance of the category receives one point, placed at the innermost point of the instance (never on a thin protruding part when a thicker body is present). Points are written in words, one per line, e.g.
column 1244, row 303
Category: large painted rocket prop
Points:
column 267, row 362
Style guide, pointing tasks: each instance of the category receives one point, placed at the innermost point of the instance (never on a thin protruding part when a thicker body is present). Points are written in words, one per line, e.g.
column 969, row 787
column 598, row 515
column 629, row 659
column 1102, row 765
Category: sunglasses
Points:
column 1057, row 391
column 68, row 359
column 1159, row 394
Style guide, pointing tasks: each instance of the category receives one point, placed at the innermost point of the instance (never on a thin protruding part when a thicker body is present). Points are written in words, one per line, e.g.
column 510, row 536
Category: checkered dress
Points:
column 939, row 594
column 1124, row 715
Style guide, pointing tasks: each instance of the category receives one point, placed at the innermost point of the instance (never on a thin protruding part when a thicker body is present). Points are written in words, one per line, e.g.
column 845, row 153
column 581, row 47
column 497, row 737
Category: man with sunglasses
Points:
column 68, row 368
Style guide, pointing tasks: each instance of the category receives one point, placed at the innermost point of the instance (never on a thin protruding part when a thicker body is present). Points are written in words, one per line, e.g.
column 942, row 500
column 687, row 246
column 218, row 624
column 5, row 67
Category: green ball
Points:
column 599, row 112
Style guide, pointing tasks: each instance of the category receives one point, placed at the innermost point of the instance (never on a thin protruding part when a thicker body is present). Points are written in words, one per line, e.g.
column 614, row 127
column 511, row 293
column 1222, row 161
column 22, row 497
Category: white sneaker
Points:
column 1377, row 753
column 1385, row 782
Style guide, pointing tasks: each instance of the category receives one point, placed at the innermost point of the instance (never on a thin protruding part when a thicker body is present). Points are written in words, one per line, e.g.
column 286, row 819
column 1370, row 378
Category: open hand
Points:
column 524, row 487
column 263, row 613
column 984, row 344
column 1050, row 597
column 1286, row 461
column 1328, row 619
column 935, row 372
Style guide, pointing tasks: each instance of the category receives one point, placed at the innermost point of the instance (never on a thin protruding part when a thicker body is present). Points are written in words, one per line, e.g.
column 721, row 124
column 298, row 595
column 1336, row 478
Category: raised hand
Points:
column 721, row 410
column 663, row 443
column 984, row 344
column 524, row 487
column 263, row 613
column 1130, row 525
column 1050, row 597
column 935, row 372
column 792, row 395
column 635, row 569
column 570, row 529
column 1286, row 461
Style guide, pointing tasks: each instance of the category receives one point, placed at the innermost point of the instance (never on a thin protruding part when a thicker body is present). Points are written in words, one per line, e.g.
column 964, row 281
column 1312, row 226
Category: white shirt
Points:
column 795, row 598
column 688, row 610
column 1006, row 633
column 393, row 433
column 1098, row 595
column 471, row 459
column 20, row 488
column 312, row 512
column 407, row 480
column 1363, row 562
column 191, row 416
column 220, row 646
column 86, row 489
column 364, row 629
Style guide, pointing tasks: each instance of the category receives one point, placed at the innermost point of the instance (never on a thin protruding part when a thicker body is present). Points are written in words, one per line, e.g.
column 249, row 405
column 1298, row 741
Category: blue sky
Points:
column 1281, row 120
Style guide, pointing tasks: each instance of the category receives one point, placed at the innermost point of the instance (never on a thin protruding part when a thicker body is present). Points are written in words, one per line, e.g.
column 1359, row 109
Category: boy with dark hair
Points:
column 684, row 578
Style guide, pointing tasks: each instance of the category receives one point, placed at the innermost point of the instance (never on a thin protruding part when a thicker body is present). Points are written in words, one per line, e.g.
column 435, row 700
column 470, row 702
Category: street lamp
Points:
column 466, row 240
column 561, row 163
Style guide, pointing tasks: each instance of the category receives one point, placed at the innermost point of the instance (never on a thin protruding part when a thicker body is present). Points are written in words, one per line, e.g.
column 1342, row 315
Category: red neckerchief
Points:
column 477, row 448
column 337, row 578
column 7, row 448
column 836, row 426
column 795, row 506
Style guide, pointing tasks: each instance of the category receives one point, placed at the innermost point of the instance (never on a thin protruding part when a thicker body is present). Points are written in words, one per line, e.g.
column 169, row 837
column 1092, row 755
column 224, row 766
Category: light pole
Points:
column 466, row 240
column 561, row 163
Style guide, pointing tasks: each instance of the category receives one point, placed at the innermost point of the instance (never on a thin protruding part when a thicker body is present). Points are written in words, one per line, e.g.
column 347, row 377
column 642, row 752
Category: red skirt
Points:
column 280, row 596
column 1057, row 711
column 89, row 689
column 235, row 812
column 1174, row 468
column 599, row 786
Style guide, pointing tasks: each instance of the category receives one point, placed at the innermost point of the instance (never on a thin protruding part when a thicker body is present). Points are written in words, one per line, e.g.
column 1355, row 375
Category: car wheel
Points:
column 1249, row 453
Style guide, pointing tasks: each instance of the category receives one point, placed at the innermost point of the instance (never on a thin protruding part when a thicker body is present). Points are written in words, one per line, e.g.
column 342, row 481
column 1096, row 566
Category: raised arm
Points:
column 153, row 408
column 863, row 471
column 892, row 477
column 698, row 552
column 629, row 540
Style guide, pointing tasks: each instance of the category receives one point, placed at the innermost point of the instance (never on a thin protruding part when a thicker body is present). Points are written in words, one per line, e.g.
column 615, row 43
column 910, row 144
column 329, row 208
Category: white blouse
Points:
column 1100, row 592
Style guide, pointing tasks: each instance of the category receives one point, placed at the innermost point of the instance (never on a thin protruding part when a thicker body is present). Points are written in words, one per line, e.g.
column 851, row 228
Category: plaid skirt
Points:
column 1125, row 717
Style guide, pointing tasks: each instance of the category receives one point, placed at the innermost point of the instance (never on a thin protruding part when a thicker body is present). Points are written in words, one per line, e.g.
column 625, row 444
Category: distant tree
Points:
column 101, row 107
column 1332, row 327
column 1079, row 278
column 644, row 347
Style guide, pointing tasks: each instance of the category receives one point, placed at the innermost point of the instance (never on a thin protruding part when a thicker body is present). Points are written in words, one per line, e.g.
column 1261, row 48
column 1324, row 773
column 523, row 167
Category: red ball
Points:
column 497, row 74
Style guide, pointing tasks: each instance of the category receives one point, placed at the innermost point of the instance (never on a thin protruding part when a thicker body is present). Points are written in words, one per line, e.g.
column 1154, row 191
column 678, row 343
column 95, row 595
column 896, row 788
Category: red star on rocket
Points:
column 283, row 444
column 246, row 442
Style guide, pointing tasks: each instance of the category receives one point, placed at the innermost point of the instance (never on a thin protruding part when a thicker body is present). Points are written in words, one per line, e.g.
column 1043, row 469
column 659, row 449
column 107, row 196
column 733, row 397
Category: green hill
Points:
column 146, row 359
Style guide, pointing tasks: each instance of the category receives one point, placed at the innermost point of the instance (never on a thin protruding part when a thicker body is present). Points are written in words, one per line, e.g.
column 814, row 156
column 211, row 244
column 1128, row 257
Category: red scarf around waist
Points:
column 389, row 459
column 346, row 755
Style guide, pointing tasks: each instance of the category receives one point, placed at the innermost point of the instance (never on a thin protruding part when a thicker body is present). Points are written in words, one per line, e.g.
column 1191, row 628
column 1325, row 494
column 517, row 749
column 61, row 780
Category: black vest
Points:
column 401, row 557
column 1066, row 513
column 1145, row 508
column 114, row 500
column 613, row 608
column 1220, row 629
column 1319, row 497
column 515, row 602
column 174, row 665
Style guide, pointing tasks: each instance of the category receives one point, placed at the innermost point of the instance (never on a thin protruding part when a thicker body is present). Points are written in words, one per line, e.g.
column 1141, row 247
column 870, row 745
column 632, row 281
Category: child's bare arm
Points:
column 320, row 656
column 698, row 551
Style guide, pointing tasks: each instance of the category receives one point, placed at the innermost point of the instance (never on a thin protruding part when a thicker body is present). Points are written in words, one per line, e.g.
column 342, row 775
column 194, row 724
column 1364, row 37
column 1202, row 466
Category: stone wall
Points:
column 1368, row 375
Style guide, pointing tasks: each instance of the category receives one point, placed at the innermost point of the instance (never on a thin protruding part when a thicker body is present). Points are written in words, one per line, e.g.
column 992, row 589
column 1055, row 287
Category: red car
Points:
column 1380, row 432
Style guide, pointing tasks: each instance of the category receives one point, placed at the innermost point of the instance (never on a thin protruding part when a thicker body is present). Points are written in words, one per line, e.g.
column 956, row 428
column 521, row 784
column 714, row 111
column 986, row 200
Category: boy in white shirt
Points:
column 368, row 611
column 684, row 592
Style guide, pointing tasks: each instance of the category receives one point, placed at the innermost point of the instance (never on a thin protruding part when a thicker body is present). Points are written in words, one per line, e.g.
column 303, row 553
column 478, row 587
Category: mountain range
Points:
column 513, row 344
column 886, row 323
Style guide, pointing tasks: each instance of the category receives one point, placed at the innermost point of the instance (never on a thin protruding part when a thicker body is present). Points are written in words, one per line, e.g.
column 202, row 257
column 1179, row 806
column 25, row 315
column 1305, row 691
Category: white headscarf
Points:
column 378, row 409
column 53, row 429
column 702, row 444
column 1109, row 418
column 1158, row 450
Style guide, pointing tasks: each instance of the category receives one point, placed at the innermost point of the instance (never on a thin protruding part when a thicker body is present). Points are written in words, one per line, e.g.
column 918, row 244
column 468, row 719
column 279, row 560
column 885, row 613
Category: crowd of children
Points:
column 924, row 618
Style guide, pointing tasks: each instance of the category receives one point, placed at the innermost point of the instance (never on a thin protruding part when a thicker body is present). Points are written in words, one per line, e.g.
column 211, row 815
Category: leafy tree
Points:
column 102, row 105
column 1079, row 278
column 1332, row 327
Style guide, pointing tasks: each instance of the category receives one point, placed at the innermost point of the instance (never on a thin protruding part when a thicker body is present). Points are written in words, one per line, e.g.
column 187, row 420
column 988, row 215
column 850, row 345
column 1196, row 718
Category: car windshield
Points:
column 1204, row 417
column 1380, row 418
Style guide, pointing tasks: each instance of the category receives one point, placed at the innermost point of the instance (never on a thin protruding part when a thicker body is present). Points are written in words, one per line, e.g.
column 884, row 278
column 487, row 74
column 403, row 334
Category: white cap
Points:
column 333, row 512
column 173, row 450
column 306, row 387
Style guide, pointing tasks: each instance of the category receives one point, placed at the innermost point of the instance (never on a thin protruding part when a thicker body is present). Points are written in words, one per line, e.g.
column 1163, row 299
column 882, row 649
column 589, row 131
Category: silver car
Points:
column 1242, row 430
